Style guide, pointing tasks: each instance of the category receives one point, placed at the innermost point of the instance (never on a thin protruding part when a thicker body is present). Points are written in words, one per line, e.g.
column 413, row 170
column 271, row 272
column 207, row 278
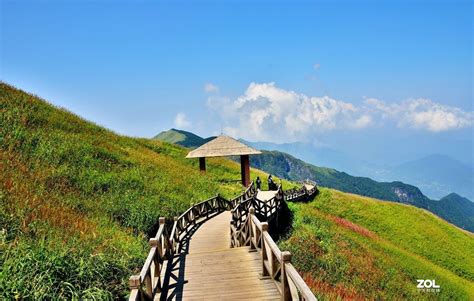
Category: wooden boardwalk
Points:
column 219, row 249
column 265, row 195
column 208, row 269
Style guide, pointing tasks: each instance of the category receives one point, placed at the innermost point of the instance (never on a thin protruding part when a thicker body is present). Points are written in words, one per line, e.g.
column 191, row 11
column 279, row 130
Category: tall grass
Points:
column 78, row 201
column 353, row 247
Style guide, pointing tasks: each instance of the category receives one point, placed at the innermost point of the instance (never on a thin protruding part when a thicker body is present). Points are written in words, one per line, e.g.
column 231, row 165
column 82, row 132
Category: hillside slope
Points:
column 353, row 247
column 81, row 200
column 454, row 209
column 77, row 203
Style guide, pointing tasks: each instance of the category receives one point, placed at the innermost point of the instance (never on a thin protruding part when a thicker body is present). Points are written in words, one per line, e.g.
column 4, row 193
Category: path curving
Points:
column 206, row 268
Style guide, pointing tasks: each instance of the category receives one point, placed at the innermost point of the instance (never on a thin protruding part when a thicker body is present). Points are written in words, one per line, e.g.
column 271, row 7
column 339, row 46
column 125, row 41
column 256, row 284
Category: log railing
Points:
column 147, row 284
column 276, row 264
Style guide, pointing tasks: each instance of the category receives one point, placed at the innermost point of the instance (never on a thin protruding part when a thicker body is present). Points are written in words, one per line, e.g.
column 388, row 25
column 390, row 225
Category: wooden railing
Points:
column 249, row 193
column 301, row 193
column 276, row 264
column 238, row 225
column 246, row 230
column 147, row 284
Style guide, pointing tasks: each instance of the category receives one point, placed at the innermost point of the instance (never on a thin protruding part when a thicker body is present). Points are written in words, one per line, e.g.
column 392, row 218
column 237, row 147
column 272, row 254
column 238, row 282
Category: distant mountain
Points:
column 453, row 208
column 456, row 207
column 437, row 175
column 183, row 138
column 320, row 155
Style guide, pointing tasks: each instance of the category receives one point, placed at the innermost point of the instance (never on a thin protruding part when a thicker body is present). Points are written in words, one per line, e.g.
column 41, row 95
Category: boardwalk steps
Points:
column 198, row 258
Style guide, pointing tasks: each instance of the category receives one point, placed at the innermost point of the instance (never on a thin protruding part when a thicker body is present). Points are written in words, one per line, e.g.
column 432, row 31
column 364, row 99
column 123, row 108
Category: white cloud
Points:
column 363, row 121
column 180, row 121
column 266, row 112
column 423, row 113
column 317, row 66
column 211, row 88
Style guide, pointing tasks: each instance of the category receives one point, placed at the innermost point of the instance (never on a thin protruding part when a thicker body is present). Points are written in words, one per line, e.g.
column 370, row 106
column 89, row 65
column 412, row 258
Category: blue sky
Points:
column 139, row 67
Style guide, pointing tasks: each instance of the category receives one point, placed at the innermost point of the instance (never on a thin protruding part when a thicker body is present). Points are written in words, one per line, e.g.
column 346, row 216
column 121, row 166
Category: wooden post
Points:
column 251, row 234
column 134, row 282
column 265, row 272
column 232, row 235
column 202, row 164
column 245, row 169
column 285, row 287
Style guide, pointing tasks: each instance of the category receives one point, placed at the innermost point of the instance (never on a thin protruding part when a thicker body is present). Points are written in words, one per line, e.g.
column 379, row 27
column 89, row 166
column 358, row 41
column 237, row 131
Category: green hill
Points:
column 453, row 208
column 182, row 138
column 353, row 247
column 78, row 202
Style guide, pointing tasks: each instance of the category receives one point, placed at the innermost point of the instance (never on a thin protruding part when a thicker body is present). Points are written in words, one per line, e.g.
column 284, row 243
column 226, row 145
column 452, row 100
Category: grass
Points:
column 79, row 201
column 353, row 247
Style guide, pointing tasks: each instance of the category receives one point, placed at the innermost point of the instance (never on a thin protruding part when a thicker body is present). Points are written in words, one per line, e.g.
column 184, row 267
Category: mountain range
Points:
column 436, row 175
column 452, row 207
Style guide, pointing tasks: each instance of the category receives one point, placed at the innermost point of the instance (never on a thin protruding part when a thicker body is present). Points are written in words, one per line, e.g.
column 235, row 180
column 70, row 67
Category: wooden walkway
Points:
column 208, row 269
column 219, row 249
column 265, row 195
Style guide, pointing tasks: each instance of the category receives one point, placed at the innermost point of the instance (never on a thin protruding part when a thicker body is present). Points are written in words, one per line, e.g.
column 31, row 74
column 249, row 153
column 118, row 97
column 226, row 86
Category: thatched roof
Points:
column 222, row 146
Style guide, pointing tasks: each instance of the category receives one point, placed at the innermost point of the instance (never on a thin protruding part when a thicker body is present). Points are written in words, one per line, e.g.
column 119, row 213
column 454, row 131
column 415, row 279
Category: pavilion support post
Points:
column 245, row 169
column 202, row 164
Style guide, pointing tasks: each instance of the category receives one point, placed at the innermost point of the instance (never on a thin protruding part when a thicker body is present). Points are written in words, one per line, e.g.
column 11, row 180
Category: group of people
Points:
column 271, row 184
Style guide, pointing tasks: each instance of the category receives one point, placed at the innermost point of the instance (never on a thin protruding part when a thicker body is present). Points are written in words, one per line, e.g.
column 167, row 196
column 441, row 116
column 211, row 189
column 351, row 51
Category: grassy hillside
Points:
column 353, row 247
column 78, row 201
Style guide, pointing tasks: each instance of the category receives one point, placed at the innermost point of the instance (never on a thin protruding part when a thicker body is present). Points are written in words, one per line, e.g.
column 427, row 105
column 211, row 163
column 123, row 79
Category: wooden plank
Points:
column 213, row 271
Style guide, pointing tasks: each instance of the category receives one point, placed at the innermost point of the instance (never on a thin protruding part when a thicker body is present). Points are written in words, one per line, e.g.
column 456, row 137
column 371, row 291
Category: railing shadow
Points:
column 174, row 277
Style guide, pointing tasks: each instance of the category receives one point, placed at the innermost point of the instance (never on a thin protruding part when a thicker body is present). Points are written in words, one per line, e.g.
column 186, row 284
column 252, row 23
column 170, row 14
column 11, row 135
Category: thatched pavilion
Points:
column 224, row 146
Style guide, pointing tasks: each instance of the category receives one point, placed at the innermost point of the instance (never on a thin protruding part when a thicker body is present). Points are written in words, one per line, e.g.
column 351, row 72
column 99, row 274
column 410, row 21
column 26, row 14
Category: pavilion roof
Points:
column 222, row 146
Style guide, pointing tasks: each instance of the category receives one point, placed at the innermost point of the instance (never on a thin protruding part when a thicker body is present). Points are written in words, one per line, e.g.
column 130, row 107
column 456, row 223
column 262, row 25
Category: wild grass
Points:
column 352, row 247
column 78, row 201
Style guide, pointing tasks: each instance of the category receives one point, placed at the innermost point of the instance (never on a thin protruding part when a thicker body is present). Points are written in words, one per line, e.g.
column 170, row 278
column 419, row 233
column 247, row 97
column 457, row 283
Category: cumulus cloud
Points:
column 267, row 112
column 211, row 88
column 265, row 109
column 423, row 113
column 180, row 121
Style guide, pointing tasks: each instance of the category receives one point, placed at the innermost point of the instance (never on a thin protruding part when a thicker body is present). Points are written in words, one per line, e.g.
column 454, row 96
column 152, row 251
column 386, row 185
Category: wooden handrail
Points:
column 266, row 209
column 275, row 263
column 301, row 193
column 147, row 284
column 246, row 230
column 304, row 292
